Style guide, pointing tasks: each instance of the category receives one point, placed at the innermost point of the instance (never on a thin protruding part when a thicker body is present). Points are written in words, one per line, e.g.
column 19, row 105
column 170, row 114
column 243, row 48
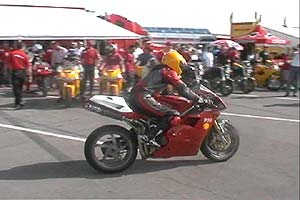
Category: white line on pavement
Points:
column 80, row 139
column 261, row 117
column 42, row 132
column 287, row 98
column 245, row 95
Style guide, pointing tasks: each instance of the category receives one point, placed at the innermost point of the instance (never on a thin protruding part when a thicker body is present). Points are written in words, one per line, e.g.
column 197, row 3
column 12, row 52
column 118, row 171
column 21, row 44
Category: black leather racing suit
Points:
column 141, row 97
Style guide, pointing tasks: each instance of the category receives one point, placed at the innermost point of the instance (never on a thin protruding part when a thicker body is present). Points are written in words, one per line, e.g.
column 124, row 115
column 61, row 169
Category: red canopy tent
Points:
column 261, row 36
column 128, row 25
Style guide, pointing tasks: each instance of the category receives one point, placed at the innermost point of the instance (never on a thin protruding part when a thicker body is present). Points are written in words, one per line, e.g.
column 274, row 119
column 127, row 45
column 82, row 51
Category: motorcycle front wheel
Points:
column 274, row 84
column 110, row 149
column 222, row 147
column 68, row 97
column 45, row 87
column 226, row 88
column 248, row 86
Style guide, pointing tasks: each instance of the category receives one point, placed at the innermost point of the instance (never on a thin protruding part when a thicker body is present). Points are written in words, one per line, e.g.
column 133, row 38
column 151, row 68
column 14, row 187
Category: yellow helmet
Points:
column 173, row 59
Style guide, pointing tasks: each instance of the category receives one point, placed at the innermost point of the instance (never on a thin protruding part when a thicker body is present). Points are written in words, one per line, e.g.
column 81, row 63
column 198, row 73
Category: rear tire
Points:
column 111, row 165
column 209, row 145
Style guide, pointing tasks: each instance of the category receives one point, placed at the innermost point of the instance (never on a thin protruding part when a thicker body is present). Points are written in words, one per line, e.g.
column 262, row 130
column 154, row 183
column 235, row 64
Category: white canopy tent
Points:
column 48, row 23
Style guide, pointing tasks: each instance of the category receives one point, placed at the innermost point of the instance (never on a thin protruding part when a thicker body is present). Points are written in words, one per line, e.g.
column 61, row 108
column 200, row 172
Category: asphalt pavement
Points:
column 41, row 155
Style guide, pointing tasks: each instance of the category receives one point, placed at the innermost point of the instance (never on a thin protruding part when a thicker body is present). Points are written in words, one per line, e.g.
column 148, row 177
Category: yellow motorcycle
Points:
column 69, row 77
column 267, row 75
column 111, row 82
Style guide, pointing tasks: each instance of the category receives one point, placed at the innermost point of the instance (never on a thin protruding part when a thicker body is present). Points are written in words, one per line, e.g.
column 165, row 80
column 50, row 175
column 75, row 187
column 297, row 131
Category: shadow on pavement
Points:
column 81, row 169
column 42, row 103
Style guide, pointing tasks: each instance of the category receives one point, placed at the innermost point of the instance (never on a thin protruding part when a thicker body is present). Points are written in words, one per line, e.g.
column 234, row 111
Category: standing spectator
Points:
column 285, row 69
column 48, row 55
column 75, row 49
column 146, row 60
column 19, row 63
column 90, row 57
column 168, row 47
column 5, row 71
column 208, row 57
column 294, row 74
column 57, row 55
column 264, row 55
column 2, row 56
column 129, row 61
column 81, row 46
column 138, row 50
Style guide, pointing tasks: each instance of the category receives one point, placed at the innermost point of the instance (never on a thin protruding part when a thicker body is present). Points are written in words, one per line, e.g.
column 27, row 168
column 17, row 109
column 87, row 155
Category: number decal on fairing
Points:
column 209, row 120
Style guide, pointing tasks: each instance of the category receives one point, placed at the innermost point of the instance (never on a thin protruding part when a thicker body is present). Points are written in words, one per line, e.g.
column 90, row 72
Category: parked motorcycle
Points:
column 267, row 75
column 111, row 82
column 69, row 77
column 113, row 148
column 41, row 73
column 217, row 79
column 242, row 76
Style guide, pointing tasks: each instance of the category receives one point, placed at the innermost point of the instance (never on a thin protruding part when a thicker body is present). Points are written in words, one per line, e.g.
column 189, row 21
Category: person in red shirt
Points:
column 19, row 63
column 129, row 61
column 5, row 74
column 90, row 57
column 2, row 55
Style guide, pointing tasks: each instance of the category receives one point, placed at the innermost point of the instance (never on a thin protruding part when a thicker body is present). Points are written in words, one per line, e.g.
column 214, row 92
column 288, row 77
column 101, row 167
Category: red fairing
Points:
column 42, row 69
column 185, row 140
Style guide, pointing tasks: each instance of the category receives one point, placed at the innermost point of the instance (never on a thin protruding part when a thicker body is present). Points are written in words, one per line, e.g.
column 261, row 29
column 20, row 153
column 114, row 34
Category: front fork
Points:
column 219, row 126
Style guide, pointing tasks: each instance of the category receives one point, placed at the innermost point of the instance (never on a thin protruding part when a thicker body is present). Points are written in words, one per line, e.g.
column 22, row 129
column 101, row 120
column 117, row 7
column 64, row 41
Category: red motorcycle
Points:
column 113, row 148
column 41, row 73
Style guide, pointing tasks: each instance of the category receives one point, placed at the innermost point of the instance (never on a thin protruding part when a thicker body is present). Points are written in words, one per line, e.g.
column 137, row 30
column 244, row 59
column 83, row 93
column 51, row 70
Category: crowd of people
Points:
column 15, row 62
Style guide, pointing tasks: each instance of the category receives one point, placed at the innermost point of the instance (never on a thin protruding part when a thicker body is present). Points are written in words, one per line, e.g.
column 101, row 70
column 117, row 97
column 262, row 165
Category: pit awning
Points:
column 49, row 23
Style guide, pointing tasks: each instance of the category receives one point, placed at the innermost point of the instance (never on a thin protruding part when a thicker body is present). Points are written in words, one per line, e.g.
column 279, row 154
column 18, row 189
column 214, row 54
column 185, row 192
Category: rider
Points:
column 142, row 95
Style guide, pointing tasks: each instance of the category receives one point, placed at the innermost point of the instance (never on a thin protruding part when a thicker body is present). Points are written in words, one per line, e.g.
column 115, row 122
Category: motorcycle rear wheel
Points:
column 214, row 150
column 119, row 141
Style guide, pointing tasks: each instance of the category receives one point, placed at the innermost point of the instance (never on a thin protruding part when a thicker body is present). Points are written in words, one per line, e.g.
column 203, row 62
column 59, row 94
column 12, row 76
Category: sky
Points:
column 211, row 14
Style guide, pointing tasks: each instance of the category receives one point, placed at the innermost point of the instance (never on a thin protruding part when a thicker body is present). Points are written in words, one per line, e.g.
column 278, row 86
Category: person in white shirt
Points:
column 208, row 57
column 58, row 54
column 294, row 74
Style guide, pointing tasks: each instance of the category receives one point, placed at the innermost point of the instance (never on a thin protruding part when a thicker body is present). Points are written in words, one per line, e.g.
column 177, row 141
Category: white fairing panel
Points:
column 114, row 102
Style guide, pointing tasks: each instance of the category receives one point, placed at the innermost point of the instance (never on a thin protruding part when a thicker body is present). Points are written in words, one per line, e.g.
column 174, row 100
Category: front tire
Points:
column 44, row 87
column 68, row 97
column 218, row 150
column 274, row 84
column 226, row 88
column 118, row 141
column 248, row 86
